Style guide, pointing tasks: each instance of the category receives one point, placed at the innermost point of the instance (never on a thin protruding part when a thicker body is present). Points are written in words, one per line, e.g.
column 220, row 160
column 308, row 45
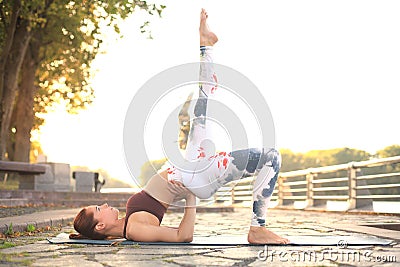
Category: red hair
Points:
column 85, row 224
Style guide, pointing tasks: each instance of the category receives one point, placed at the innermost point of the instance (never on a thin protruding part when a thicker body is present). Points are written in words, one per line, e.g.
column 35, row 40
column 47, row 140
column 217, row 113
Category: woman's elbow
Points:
column 186, row 239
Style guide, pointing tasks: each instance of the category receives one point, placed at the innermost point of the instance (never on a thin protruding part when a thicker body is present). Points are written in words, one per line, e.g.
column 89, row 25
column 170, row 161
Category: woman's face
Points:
column 104, row 213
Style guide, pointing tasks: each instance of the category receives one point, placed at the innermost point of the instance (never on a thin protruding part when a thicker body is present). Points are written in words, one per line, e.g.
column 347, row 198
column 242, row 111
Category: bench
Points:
column 43, row 177
column 22, row 167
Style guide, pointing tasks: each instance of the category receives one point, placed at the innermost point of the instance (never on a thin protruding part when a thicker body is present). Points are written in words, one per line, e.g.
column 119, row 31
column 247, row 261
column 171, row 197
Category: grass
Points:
column 9, row 230
column 10, row 184
column 30, row 228
column 15, row 258
column 6, row 244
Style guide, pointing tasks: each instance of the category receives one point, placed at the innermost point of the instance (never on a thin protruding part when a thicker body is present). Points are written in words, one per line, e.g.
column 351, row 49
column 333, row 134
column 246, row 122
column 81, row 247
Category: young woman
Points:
column 145, row 210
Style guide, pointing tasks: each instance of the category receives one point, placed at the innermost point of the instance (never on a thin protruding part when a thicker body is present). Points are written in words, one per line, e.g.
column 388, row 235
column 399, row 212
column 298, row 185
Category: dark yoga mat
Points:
column 305, row 240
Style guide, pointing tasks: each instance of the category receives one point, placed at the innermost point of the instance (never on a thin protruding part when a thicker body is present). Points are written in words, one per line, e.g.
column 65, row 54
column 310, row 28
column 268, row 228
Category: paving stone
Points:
column 258, row 263
column 49, row 254
column 202, row 261
column 386, row 264
column 105, row 258
column 37, row 247
column 89, row 250
column 216, row 225
column 134, row 260
column 164, row 250
column 237, row 253
column 151, row 263
column 68, row 260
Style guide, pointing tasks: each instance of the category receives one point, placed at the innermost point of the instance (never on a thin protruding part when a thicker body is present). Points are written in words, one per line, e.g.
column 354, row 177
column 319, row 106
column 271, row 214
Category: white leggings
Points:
column 213, row 170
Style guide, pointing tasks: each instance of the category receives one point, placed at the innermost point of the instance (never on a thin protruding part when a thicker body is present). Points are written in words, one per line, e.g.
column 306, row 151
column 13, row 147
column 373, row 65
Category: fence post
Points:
column 233, row 196
column 310, row 192
column 352, row 194
column 280, row 191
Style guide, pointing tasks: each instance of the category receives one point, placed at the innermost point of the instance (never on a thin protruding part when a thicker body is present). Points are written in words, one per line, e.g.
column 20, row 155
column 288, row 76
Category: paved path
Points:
column 36, row 251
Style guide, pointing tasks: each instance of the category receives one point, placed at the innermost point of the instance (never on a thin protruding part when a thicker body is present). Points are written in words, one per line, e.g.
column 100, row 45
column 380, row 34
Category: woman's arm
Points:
column 140, row 231
column 186, row 227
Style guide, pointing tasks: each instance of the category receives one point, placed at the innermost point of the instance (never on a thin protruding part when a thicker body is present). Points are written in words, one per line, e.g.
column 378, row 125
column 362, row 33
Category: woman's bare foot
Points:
column 207, row 37
column 260, row 235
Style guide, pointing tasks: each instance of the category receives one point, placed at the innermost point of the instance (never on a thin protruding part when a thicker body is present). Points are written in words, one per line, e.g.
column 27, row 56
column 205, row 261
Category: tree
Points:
column 15, row 37
column 389, row 151
column 291, row 161
column 317, row 158
column 55, row 42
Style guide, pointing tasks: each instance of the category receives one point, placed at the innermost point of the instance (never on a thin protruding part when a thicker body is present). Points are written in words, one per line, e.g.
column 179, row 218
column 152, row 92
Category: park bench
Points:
column 51, row 177
column 42, row 177
column 23, row 168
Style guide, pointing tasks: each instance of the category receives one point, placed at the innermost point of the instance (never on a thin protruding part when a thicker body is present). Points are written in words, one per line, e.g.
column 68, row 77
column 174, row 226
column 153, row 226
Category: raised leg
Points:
column 198, row 144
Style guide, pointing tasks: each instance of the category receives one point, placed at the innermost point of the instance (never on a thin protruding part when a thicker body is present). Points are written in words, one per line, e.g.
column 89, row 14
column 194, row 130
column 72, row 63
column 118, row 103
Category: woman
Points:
column 145, row 210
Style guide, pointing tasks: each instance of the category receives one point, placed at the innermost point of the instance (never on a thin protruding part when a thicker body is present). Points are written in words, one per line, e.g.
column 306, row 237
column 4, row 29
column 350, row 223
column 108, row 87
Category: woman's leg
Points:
column 198, row 146
column 218, row 169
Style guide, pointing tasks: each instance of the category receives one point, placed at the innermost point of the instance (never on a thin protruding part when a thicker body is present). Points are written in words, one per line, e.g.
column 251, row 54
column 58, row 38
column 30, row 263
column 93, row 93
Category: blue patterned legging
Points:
column 214, row 170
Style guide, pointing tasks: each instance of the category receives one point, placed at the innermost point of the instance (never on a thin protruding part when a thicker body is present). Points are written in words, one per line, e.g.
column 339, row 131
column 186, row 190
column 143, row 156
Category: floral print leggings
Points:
column 213, row 170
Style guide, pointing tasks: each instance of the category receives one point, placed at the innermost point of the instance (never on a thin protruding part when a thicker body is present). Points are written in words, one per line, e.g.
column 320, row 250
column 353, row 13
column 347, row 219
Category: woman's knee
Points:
column 273, row 157
column 202, row 193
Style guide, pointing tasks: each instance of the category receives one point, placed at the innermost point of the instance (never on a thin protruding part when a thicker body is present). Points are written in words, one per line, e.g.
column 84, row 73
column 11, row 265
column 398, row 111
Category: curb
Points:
column 21, row 227
column 38, row 219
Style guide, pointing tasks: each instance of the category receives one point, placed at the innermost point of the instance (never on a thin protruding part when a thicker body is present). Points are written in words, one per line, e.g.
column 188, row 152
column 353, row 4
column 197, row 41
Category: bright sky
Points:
column 329, row 70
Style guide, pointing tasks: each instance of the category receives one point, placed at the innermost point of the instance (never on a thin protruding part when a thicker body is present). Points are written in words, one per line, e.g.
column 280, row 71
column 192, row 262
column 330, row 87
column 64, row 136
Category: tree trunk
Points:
column 11, row 74
column 24, row 115
column 12, row 25
column 10, row 146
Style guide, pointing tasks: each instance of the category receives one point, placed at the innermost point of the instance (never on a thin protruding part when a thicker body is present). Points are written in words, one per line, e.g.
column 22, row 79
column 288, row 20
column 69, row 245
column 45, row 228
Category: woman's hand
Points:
column 182, row 192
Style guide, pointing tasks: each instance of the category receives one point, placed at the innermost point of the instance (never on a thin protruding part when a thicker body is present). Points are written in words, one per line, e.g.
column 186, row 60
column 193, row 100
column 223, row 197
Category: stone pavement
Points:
column 36, row 251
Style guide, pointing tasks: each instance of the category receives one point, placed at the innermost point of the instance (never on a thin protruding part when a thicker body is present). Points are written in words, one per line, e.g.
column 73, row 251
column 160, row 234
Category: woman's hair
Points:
column 84, row 224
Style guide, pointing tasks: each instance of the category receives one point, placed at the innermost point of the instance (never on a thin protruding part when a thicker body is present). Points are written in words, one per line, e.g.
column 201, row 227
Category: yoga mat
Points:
column 304, row 240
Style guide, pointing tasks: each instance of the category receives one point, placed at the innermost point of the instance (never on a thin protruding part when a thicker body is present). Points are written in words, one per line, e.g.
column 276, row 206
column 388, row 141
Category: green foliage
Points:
column 389, row 151
column 30, row 228
column 6, row 244
column 317, row 158
column 71, row 38
column 12, row 183
column 66, row 37
column 291, row 161
column 10, row 230
column 15, row 259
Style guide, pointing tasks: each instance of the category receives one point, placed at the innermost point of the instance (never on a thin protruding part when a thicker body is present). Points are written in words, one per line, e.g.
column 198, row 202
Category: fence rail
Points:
column 315, row 187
